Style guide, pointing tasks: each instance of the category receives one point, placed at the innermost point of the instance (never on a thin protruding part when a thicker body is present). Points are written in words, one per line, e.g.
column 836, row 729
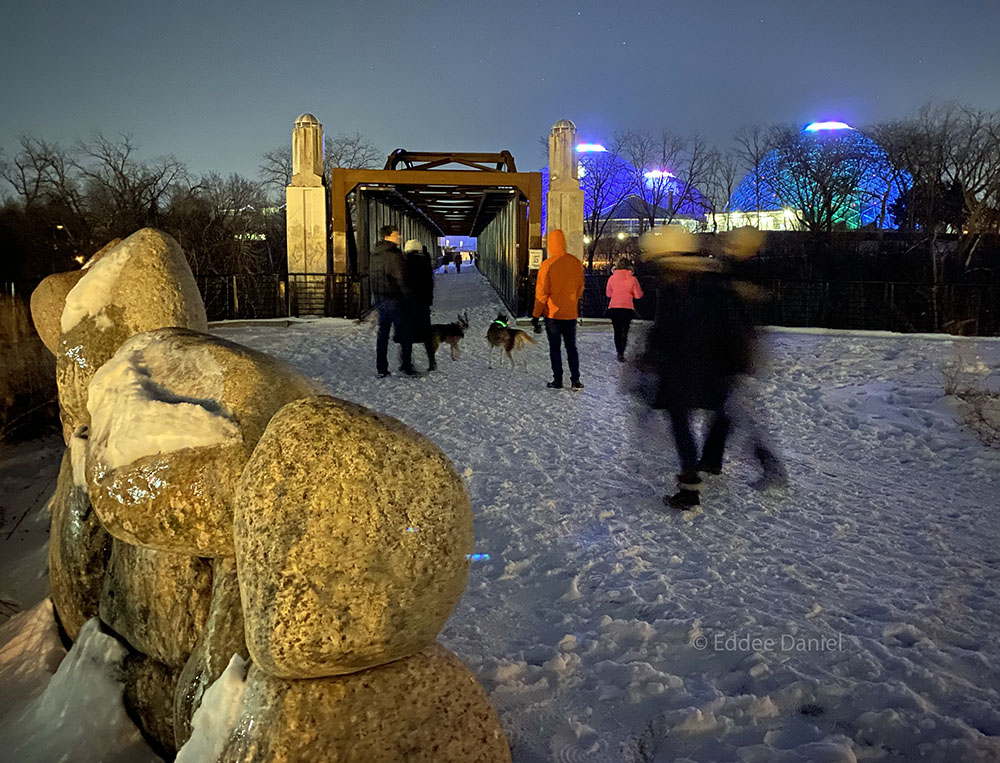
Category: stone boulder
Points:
column 79, row 546
column 175, row 415
column 49, row 298
column 47, row 303
column 352, row 539
column 427, row 708
column 142, row 283
column 149, row 698
column 219, row 641
column 157, row 601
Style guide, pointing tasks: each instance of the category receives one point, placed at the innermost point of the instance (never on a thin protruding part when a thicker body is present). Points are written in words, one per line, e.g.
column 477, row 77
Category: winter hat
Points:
column 413, row 246
column 671, row 246
column 557, row 243
column 666, row 240
column 743, row 243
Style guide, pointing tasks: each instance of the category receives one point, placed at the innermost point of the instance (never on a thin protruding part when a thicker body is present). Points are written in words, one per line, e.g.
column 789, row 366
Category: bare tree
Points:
column 341, row 150
column 652, row 179
column 816, row 177
column 665, row 173
column 353, row 151
column 721, row 176
column 123, row 193
column 275, row 169
column 606, row 182
column 754, row 142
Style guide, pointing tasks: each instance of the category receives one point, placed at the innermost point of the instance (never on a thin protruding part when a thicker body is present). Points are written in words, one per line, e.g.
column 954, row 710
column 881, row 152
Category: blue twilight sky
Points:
column 218, row 83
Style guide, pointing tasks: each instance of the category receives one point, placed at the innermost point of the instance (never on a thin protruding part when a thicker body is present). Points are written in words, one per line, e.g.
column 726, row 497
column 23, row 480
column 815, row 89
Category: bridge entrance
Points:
column 430, row 195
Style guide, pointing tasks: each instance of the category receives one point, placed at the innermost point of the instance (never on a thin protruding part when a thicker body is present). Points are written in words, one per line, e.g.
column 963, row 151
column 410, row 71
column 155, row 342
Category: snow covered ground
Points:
column 852, row 616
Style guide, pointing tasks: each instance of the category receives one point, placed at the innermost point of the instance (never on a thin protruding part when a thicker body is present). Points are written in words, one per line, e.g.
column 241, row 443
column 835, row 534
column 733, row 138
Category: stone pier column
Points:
column 564, row 203
column 306, row 211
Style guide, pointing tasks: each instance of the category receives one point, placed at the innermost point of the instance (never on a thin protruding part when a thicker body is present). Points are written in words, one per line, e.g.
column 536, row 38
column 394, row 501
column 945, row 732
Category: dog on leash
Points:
column 499, row 335
column 450, row 334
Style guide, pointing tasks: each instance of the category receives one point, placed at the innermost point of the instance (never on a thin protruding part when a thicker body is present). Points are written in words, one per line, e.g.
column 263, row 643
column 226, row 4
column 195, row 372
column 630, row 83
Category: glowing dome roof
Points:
column 775, row 185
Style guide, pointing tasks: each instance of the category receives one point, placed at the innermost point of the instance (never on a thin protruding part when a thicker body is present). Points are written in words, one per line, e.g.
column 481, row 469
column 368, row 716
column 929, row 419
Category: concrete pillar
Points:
column 305, row 213
column 564, row 203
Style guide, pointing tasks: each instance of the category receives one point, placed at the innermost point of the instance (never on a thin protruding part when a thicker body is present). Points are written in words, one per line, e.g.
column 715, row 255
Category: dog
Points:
column 450, row 334
column 507, row 339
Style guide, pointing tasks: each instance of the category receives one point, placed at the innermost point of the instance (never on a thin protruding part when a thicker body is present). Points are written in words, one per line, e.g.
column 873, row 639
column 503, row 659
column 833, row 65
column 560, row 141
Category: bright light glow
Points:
column 657, row 174
column 621, row 235
column 817, row 126
column 586, row 239
column 581, row 171
column 585, row 148
column 79, row 258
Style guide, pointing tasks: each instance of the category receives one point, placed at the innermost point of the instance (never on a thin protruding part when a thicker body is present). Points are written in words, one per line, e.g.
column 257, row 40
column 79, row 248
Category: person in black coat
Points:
column 418, row 275
column 389, row 290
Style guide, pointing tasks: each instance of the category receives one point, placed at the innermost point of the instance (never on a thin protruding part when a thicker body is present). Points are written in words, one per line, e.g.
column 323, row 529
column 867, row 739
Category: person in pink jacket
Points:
column 623, row 288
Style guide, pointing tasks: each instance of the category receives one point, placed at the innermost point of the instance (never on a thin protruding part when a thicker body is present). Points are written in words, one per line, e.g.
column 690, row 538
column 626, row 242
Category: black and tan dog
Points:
column 450, row 334
column 508, row 339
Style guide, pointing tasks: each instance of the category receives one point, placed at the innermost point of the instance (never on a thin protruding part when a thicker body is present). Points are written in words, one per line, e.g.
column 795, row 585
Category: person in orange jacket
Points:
column 557, row 297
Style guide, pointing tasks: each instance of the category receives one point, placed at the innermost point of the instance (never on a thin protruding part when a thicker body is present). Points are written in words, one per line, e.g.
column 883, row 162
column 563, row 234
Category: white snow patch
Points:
column 132, row 416
column 93, row 292
column 79, row 716
column 216, row 715
column 78, row 457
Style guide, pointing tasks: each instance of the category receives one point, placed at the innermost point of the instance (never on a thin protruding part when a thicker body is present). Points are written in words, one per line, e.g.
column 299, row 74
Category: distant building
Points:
column 787, row 189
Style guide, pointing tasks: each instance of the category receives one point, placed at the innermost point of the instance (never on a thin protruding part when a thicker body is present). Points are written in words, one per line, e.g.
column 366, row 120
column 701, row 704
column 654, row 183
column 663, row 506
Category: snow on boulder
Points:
column 142, row 283
column 426, row 708
column 80, row 715
column 157, row 601
column 352, row 536
column 216, row 715
column 175, row 415
column 79, row 545
column 220, row 640
column 49, row 299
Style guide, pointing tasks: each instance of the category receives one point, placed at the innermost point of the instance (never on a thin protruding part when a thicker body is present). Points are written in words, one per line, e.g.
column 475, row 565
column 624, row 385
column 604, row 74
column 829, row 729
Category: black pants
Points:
column 391, row 314
column 687, row 449
column 558, row 332
column 621, row 319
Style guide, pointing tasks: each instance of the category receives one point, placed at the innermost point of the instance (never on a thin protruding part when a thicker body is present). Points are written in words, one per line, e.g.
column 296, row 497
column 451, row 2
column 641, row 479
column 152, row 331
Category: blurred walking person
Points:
column 702, row 342
column 622, row 289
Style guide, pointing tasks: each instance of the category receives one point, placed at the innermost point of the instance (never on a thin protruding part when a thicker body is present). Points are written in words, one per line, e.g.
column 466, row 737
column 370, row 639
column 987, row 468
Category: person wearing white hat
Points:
column 418, row 275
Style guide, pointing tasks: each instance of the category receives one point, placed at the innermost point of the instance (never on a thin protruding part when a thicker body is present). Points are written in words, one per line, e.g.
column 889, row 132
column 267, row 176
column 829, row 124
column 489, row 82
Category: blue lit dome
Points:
column 837, row 151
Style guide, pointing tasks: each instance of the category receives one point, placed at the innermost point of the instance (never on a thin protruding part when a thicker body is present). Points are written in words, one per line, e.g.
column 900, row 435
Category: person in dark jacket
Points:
column 385, row 274
column 418, row 275
column 702, row 342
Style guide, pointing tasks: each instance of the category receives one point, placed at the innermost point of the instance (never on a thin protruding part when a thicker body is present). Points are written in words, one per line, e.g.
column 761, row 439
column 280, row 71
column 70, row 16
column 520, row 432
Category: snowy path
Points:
column 606, row 628
column 584, row 622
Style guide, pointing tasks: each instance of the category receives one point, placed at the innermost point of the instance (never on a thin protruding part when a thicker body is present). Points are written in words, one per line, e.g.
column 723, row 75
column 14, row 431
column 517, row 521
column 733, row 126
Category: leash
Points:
column 500, row 323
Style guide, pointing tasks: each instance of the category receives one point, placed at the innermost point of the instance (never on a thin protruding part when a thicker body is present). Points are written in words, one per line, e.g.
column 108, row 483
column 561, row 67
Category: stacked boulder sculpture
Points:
column 213, row 503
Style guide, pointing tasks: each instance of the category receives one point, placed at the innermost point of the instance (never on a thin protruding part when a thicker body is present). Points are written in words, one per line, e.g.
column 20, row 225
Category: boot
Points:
column 683, row 499
column 687, row 496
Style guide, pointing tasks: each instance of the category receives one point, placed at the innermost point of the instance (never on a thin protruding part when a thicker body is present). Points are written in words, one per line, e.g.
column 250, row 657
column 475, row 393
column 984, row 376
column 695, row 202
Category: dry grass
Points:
column 27, row 375
column 968, row 381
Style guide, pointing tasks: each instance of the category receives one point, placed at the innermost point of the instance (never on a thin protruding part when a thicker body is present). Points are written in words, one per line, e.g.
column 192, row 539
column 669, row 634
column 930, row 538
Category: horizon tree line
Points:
column 68, row 202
